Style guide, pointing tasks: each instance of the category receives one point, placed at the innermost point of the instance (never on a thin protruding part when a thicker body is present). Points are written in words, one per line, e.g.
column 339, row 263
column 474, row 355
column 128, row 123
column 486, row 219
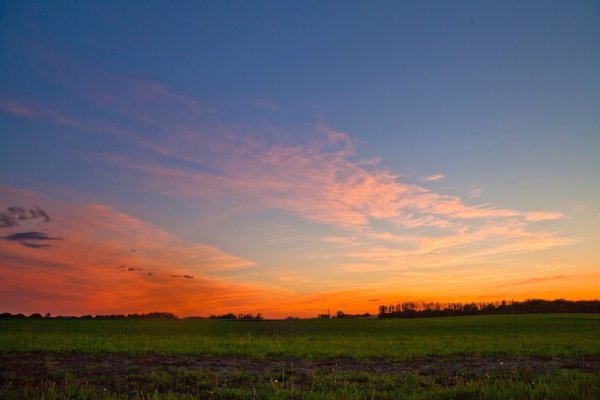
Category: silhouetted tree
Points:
column 412, row 310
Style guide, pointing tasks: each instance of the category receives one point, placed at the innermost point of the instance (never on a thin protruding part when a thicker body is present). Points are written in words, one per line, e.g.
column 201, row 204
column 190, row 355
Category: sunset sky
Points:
column 292, row 157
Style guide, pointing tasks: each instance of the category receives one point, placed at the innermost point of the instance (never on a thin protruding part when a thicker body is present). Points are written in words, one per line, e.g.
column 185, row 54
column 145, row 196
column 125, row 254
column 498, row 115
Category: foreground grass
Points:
column 303, row 359
column 540, row 335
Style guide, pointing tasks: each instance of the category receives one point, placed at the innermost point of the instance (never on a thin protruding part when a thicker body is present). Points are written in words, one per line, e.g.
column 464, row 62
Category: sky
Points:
column 293, row 157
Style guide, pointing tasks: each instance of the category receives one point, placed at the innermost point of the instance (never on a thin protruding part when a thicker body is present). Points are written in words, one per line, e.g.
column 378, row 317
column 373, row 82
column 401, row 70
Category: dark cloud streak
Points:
column 183, row 276
column 16, row 216
column 123, row 267
column 537, row 280
column 34, row 245
column 29, row 239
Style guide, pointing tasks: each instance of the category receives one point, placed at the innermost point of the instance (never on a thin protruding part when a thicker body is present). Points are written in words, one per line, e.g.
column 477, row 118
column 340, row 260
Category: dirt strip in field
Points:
column 80, row 364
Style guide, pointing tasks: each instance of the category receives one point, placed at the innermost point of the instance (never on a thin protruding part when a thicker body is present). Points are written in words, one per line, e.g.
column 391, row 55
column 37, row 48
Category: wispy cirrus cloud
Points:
column 475, row 193
column 146, row 102
column 543, row 216
column 382, row 222
column 542, row 279
column 460, row 247
column 433, row 178
column 537, row 280
column 17, row 108
column 319, row 180
column 265, row 104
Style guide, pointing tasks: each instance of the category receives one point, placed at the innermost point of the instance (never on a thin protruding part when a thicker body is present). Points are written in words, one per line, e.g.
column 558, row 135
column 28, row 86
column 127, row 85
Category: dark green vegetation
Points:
column 546, row 335
column 502, row 356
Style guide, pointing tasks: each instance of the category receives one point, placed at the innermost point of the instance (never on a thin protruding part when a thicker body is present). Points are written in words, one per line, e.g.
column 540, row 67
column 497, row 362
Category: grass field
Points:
column 502, row 356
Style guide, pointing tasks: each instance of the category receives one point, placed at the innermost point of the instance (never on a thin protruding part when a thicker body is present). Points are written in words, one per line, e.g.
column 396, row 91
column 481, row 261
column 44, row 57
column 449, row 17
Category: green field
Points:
column 501, row 356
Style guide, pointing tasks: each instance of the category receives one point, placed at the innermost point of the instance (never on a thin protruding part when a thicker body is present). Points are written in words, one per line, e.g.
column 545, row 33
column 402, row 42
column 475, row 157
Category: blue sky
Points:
column 124, row 104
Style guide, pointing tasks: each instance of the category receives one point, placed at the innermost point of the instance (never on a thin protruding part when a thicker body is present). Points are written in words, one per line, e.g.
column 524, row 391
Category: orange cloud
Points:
column 109, row 261
column 543, row 216
column 536, row 280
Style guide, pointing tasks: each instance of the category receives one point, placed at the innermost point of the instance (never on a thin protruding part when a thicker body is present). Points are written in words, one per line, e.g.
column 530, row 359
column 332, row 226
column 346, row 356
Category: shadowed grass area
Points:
column 543, row 335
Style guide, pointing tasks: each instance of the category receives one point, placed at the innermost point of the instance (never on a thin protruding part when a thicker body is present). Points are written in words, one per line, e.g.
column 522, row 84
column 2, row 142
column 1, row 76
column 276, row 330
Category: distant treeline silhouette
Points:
column 530, row 306
column 341, row 314
column 151, row 315
column 400, row 310
column 238, row 316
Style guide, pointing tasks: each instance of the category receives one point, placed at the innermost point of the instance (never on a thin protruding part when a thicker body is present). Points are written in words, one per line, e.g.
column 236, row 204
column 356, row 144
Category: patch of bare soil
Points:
column 40, row 365
column 128, row 375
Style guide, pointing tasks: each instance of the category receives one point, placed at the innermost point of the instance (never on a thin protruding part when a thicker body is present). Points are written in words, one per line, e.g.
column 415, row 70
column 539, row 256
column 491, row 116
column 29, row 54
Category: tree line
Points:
column 150, row 315
column 238, row 316
column 529, row 306
column 400, row 310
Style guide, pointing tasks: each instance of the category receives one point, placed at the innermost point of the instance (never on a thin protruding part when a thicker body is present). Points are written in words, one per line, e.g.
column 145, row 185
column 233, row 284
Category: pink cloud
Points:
column 146, row 102
column 322, row 182
column 319, row 180
column 17, row 108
